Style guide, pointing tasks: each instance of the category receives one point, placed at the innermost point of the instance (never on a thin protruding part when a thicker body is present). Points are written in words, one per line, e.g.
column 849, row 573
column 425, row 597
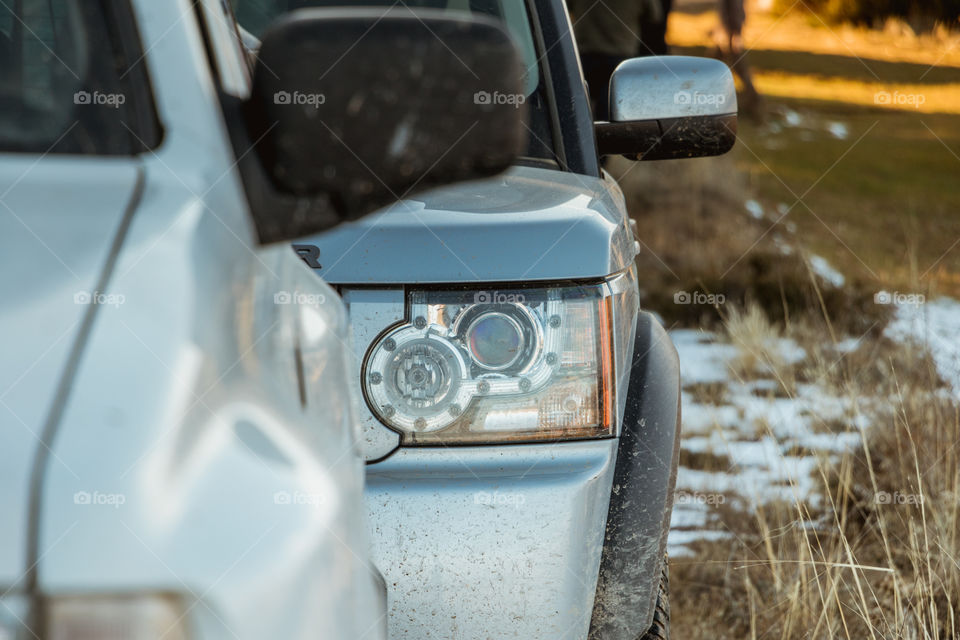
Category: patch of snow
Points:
column 847, row 345
column 832, row 442
column 679, row 539
column 705, row 418
column 686, row 516
column 702, row 359
column 823, row 269
column 790, row 479
column 790, row 351
column 785, row 248
column 838, row 130
column 755, row 209
column 935, row 325
column 792, row 118
column 774, row 444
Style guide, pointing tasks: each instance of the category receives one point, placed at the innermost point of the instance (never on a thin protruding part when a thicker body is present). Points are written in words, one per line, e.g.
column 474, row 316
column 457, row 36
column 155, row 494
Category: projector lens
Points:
column 496, row 341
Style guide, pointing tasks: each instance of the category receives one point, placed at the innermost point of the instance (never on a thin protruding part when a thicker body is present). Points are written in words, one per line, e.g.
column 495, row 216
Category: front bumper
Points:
column 496, row 542
column 491, row 542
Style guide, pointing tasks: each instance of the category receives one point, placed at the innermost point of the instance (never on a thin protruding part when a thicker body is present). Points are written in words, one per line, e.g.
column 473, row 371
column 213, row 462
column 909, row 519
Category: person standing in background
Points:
column 730, row 49
column 608, row 32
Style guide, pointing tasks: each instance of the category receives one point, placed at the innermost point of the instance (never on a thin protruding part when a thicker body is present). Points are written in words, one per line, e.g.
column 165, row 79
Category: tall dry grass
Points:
column 878, row 556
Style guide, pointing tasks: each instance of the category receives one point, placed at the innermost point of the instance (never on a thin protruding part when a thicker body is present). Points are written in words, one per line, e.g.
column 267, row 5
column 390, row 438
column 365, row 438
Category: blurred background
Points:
column 810, row 281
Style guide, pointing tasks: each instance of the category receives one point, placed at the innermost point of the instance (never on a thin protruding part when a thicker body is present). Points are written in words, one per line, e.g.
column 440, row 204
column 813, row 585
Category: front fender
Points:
column 638, row 518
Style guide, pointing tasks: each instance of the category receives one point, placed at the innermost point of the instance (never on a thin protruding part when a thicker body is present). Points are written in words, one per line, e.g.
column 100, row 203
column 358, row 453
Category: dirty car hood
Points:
column 528, row 224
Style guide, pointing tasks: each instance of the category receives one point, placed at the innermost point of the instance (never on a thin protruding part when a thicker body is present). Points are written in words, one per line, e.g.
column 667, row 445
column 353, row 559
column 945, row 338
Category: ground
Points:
column 809, row 281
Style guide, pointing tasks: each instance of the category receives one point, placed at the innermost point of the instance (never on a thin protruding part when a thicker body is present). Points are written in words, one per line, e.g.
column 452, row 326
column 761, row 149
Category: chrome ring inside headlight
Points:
column 415, row 380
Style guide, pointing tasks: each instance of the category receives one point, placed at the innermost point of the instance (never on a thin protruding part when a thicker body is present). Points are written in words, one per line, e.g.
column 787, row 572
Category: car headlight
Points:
column 118, row 617
column 512, row 365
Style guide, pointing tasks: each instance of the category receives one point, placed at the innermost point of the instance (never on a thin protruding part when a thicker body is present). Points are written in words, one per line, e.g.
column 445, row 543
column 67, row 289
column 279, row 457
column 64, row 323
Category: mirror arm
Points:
column 277, row 216
column 625, row 138
column 668, row 138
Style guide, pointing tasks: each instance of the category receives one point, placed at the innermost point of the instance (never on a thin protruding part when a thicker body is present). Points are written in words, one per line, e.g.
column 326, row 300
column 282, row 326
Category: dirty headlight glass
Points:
column 512, row 365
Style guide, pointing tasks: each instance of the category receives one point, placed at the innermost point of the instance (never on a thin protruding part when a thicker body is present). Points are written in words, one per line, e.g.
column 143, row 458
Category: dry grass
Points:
column 697, row 236
column 879, row 556
column 758, row 343
column 879, row 201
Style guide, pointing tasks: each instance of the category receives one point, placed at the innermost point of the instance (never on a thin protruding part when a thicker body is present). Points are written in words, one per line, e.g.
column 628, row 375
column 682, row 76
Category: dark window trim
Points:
column 125, row 31
column 208, row 44
column 573, row 107
column 559, row 149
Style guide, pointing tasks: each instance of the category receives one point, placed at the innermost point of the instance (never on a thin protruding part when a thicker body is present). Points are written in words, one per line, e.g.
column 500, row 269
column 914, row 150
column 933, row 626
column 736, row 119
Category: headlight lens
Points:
column 121, row 617
column 512, row 365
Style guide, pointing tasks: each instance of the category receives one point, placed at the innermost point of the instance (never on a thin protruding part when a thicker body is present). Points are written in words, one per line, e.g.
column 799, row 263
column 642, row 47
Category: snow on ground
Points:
column 766, row 444
column 823, row 269
column 755, row 209
column 937, row 325
column 838, row 130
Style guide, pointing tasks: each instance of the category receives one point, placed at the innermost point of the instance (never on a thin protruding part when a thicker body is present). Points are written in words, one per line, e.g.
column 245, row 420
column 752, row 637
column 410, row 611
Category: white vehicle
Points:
column 178, row 443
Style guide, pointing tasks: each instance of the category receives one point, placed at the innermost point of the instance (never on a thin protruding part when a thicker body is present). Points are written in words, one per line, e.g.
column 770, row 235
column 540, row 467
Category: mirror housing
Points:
column 668, row 107
column 353, row 109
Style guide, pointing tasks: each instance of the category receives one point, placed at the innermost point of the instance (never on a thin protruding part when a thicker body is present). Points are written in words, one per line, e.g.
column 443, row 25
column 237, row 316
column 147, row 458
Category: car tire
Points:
column 660, row 629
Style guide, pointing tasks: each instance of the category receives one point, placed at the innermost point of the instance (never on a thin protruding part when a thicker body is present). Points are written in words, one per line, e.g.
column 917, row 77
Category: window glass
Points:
column 60, row 88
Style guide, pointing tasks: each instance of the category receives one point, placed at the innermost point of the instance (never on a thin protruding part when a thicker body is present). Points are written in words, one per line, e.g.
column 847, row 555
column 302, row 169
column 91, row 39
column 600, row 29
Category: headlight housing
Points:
column 513, row 365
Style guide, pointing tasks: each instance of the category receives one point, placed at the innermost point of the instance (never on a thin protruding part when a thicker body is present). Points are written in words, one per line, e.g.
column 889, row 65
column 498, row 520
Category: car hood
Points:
column 58, row 220
column 528, row 224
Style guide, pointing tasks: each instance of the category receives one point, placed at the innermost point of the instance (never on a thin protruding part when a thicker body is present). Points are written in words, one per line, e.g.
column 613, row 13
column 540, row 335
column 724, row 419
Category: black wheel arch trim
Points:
column 641, row 500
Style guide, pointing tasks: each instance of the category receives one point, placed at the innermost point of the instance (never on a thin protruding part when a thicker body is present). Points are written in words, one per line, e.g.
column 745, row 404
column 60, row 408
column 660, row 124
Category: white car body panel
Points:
column 207, row 443
column 57, row 220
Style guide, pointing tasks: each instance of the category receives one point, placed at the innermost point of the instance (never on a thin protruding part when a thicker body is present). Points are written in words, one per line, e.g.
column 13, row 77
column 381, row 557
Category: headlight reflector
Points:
column 480, row 367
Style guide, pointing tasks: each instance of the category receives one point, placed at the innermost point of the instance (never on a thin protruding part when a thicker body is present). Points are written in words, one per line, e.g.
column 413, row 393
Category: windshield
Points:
column 61, row 90
column 256, row 15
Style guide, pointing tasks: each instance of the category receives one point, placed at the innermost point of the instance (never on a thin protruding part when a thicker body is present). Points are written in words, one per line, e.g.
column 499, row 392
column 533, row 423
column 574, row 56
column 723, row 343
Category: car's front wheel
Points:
column 660, row 629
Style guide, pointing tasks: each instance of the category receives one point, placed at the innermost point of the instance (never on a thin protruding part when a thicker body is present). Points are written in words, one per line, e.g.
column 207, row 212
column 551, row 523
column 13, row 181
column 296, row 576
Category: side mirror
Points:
column 667, row 107
column 353, row 109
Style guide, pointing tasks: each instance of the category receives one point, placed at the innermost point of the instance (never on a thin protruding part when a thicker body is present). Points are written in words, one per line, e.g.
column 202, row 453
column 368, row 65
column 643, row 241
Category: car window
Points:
column 256, row 15
column 61, row 86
